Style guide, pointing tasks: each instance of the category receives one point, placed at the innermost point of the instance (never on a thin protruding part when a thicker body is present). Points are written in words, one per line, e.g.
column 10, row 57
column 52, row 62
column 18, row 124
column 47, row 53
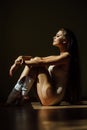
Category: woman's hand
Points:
column 24, row 59
column 18, row 62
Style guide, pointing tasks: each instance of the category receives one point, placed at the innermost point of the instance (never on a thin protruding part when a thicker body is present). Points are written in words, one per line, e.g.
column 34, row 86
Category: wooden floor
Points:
column 34, row 116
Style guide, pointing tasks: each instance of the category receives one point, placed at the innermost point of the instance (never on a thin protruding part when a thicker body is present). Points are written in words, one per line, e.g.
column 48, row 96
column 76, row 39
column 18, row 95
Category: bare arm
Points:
column 20, row 59
column 37, row 61
column 50, row 60
column 18, row 62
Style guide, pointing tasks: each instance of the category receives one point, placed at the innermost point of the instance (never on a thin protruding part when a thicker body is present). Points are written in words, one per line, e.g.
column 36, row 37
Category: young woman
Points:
column 54, row 75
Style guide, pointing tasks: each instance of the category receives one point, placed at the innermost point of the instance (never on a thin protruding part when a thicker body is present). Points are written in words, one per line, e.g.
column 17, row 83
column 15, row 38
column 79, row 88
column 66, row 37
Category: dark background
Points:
column 28, row 27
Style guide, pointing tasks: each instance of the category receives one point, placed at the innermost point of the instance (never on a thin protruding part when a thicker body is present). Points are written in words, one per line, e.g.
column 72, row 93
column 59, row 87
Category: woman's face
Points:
column 60, row 38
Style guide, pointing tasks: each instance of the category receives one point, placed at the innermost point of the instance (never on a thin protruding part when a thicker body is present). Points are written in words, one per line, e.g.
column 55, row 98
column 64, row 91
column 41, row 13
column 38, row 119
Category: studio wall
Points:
column 27, row 28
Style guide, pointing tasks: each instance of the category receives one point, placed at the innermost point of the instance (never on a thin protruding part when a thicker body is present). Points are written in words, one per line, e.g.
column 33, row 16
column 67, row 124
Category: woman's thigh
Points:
column 47, row 90
column 44, row 86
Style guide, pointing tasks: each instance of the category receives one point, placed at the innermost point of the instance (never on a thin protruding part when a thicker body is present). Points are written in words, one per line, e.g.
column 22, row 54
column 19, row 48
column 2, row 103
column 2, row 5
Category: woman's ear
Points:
column 64, row 41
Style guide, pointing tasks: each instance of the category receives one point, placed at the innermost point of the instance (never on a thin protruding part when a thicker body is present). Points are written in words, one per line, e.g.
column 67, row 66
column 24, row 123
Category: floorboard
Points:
column 34, row 116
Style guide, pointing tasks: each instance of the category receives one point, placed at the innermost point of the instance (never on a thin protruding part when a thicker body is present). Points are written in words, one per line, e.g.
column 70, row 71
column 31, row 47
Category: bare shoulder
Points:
column 64, row 58
column 65, row 55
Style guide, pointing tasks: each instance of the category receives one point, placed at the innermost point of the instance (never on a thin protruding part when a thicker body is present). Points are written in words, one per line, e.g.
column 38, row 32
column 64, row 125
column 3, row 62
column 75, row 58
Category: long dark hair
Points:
column 73, row 87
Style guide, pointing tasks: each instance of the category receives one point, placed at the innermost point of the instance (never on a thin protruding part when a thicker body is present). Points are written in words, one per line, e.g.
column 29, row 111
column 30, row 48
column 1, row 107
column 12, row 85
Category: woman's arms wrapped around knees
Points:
column 38, row 61
column 18, row 62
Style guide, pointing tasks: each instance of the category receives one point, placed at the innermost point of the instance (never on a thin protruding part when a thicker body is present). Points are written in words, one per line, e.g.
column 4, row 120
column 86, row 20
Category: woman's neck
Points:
column 62, row 50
